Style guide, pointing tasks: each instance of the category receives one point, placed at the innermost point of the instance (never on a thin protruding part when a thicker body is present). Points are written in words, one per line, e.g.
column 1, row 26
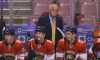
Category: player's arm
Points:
column 30, row 53
column 50, row 52
column 91, row 55
column 20, row 54
column 28, row 48
column 60, row 51
column 82, row 55
column 1, row 49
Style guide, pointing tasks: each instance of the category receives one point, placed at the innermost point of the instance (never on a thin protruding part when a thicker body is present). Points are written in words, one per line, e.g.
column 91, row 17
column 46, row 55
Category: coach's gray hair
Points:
column 53, row 5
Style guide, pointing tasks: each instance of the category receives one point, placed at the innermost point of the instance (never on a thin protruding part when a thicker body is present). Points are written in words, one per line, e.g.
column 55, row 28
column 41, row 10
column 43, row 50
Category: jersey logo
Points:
column 70, row 55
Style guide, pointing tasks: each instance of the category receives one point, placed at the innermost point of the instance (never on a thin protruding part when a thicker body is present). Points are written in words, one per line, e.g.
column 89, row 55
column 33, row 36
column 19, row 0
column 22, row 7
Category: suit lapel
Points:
column 57, row 22
column 48, row 22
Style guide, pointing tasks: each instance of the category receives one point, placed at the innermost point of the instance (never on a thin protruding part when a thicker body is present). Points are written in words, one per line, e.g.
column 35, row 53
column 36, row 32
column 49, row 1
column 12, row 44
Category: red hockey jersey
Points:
column 95, row 49
column 47, row 48
column 71, row 51
column 11, row 50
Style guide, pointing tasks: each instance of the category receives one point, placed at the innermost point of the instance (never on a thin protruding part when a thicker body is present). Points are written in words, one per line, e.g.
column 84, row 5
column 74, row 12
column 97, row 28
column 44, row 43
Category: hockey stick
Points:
column 64, row 41
column 61, row 32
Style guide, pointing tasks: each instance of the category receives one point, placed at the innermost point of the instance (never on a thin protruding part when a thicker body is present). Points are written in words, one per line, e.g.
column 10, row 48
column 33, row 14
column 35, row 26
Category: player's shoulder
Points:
column 31, row 39
column 48, row 41
column 1, row 43
column 61, row 40
column 49, row 44
column 97, row 41
column 81, row 43
column 18, row 41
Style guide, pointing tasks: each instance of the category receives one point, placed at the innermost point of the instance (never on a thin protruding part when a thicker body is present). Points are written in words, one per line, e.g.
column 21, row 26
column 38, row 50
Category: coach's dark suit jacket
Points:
column 45, row 21
column 2, row 24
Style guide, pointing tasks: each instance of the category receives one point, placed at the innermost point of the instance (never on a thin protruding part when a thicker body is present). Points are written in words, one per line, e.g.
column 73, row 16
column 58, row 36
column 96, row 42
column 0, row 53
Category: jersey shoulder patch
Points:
column 32, row 39
column 98, row 41
column 80, row 41
column 61, row 40
column 18, row 41
column 1, row 41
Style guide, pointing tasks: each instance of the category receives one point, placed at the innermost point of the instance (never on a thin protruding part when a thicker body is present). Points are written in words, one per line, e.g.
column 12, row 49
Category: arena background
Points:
column 23, row 15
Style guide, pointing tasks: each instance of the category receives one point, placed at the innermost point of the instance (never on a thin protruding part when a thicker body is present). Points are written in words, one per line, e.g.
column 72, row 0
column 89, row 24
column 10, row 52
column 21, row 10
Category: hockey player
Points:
column 71, row 48
column 11, row 48
column 94, row 51
column 40, row 48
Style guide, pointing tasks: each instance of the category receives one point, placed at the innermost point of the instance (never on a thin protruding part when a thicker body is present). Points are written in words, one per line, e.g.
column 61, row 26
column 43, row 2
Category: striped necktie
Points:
column 53, row 30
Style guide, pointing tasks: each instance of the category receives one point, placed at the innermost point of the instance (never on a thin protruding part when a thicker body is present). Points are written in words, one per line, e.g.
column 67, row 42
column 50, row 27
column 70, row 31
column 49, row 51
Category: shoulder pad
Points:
column 32, row 39
column 1, row 41
column 18, row 41
column 98, row 41
column 49, row 41
column 61, row 40
column 81, row 41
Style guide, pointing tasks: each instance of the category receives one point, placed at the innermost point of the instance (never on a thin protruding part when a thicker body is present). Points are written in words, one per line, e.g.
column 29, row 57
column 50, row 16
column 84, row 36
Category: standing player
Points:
column 71, row 48
column 11, row 48
column 94, row 51
column 40, row 48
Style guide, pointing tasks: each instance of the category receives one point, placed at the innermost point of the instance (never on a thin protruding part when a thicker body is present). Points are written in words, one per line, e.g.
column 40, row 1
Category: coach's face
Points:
column 53, row 11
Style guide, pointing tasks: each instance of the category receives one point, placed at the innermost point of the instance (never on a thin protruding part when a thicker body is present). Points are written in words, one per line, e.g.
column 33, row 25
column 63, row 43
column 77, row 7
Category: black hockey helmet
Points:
column 71, row 29
column 8, row 30
column 40, row 29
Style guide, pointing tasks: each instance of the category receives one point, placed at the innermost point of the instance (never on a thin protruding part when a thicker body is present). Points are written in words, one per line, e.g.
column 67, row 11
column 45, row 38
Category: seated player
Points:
column 40, row 48
column 94, row 51
column 11, row 48
column 71, row 48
